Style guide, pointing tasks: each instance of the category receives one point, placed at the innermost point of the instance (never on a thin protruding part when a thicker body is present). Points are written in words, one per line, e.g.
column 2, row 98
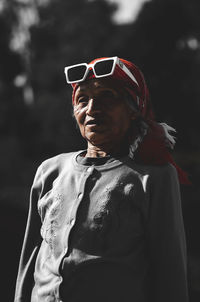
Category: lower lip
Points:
column 94, row 126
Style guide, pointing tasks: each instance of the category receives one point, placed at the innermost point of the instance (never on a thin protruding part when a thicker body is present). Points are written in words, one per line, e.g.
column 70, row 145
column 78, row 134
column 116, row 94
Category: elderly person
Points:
column 105, row 224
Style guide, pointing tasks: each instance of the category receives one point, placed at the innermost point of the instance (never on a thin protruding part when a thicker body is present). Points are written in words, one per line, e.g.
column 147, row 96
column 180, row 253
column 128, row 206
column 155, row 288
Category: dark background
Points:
column 36, row 42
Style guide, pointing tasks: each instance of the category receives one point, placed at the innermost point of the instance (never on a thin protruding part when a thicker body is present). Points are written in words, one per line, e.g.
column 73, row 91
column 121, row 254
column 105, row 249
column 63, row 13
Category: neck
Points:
column 102, row 151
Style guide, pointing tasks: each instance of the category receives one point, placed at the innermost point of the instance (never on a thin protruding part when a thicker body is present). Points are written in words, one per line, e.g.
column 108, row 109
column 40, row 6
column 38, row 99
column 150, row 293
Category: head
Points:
column 124, row 73
column 107, row 107
column 102, row 113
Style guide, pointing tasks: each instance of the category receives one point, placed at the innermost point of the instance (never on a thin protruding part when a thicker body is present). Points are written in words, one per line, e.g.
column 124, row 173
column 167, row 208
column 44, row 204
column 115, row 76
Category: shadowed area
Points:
column 37, row 39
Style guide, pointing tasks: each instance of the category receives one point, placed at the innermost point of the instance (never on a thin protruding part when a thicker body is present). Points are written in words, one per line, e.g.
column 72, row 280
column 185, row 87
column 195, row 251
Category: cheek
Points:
column 121, row 121
column 122, row 129
column 79, row 116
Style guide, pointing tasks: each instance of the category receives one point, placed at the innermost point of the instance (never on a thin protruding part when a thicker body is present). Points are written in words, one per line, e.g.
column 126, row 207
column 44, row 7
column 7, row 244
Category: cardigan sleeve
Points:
column 31, row 244
column 166, row 239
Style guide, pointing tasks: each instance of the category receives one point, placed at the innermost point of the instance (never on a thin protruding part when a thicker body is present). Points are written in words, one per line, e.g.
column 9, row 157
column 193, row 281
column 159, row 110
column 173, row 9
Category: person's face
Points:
column 101, row 112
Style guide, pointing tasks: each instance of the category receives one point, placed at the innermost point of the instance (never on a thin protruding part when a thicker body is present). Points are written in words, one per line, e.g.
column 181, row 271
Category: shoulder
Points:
column 157, row 171
column 52, row 167
column 166, row 170
column 57, row 162
column 157, row 174
column 165, row 173
column 154, row 176
column 153, row 171
column 163, row 179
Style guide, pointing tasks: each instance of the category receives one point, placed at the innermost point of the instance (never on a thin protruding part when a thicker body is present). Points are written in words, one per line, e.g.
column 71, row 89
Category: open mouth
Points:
column 93, row 122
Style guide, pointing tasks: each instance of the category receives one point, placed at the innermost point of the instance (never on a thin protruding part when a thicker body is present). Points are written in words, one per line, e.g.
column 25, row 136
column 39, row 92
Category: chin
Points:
column 97, row 140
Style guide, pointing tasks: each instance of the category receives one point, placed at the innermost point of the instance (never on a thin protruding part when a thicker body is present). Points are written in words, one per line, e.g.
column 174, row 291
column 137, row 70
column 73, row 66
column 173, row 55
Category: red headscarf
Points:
column 154, row 148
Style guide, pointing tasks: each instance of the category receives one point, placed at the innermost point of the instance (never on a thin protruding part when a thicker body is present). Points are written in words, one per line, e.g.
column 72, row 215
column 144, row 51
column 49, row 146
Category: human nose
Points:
column 92, row 107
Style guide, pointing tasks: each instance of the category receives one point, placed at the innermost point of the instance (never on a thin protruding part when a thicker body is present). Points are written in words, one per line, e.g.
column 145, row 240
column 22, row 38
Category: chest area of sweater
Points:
column 115, row 188
column 100, row 206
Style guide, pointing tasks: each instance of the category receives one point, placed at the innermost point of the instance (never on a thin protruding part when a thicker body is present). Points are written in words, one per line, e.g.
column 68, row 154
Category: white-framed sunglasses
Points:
column 101, row 68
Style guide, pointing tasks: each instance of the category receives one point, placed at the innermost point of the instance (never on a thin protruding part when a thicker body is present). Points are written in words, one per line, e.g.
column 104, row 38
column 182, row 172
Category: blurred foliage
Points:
column 164, row 41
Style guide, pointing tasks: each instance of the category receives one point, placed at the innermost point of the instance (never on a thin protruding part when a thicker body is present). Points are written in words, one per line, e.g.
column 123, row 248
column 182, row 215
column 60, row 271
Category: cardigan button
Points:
column 72, row 221
column 80, row 195
column 90, row 169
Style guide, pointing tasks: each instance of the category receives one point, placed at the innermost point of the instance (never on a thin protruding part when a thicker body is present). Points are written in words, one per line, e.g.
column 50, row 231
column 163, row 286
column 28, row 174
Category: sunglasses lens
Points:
column 103, row 67
column 76, row 73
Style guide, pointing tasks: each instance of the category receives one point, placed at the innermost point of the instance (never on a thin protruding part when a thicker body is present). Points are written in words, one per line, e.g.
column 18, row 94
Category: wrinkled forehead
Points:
column 93, row 85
